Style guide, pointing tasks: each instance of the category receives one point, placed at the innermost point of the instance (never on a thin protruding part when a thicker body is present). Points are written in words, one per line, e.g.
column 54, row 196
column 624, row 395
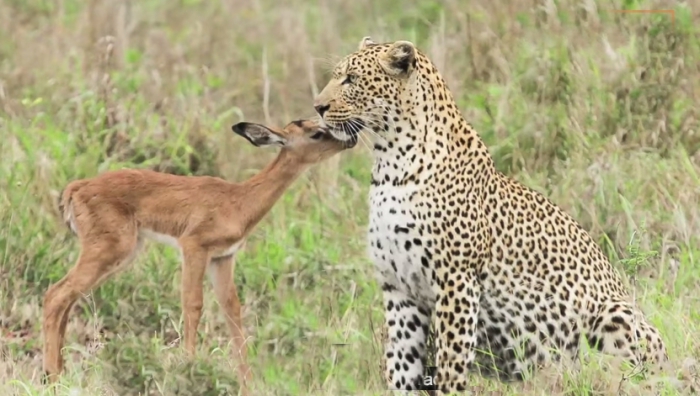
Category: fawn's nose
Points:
column 320, row 109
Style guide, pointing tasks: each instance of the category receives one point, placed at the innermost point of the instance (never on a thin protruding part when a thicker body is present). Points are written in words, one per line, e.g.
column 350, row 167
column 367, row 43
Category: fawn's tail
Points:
column 65, row 203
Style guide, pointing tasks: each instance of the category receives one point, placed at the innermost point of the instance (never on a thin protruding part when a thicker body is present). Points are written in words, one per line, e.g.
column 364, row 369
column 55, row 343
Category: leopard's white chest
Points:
column 395, row 244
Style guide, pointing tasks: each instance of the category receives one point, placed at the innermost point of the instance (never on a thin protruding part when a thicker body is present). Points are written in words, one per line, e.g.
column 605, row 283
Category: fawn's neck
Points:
column 262, row 191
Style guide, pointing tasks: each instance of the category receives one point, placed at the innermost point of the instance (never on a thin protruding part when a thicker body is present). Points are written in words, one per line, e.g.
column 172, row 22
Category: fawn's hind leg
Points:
column 98, row 260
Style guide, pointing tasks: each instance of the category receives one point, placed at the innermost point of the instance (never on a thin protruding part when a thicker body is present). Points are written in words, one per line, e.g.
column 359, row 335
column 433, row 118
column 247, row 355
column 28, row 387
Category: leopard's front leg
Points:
column 457, row 312
column 406, row 325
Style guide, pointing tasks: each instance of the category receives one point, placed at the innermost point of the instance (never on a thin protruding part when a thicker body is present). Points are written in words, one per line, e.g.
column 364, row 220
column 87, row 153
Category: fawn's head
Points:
column 305, row 139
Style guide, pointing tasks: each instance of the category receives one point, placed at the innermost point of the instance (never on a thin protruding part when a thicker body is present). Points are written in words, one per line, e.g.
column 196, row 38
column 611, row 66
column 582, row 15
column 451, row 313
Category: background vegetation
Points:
column 596, row 109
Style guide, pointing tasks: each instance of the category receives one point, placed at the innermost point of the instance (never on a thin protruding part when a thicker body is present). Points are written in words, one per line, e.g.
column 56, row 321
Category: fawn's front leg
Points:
column 195, row 259
column 221, row 273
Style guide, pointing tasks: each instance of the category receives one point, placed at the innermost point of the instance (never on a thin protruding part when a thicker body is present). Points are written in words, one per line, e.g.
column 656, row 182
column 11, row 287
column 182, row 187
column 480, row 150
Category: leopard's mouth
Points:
column 347, row 131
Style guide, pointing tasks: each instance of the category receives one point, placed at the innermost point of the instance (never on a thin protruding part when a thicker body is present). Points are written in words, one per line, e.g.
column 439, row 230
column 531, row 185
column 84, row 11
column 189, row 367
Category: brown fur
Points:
column 207, row 218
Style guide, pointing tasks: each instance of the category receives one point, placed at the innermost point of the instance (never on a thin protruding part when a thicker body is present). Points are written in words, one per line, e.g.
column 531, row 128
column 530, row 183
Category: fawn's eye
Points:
column 350, row 79
column 317, row 135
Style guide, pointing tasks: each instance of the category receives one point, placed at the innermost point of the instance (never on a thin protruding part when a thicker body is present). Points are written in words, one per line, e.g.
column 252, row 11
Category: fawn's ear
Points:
column 259, row 135
column 399, row 60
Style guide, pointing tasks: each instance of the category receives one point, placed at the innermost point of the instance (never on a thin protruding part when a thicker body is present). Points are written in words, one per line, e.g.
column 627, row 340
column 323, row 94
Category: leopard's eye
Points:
column 350, row 79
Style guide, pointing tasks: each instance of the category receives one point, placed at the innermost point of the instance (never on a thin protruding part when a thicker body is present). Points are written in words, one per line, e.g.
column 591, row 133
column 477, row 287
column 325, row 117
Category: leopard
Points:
column 505, row 279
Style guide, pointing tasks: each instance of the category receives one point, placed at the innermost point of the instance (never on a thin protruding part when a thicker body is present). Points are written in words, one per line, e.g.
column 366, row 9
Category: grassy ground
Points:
column 594, row 108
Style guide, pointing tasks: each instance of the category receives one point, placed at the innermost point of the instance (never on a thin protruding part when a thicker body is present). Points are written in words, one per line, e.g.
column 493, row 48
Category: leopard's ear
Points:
column 400, row 59
column 365, row 42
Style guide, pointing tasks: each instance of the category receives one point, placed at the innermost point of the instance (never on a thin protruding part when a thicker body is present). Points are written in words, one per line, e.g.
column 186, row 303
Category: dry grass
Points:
column 598, row 110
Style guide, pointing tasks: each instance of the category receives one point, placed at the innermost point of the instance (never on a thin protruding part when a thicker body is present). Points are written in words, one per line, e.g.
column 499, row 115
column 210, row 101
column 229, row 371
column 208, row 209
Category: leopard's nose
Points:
column 320, row 109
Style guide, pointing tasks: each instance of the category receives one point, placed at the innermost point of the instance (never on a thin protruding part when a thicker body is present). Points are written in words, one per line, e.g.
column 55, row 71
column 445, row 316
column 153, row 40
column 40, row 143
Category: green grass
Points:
column 593, row 108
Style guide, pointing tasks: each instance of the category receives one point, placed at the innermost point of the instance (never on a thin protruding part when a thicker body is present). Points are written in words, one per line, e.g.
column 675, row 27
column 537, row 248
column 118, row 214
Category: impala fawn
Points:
column 206, row 218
